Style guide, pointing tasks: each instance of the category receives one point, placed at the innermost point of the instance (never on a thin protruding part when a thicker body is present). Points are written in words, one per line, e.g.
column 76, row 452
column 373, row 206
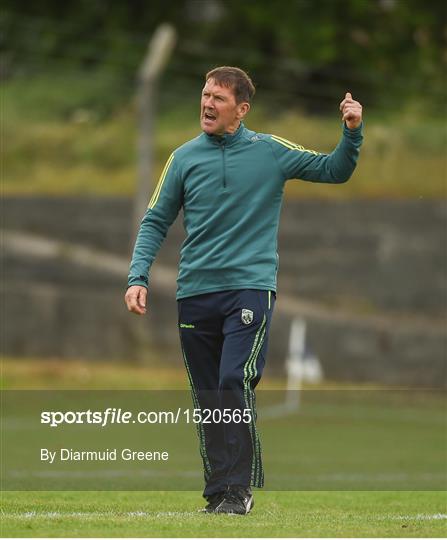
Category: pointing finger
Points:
column 347, row 99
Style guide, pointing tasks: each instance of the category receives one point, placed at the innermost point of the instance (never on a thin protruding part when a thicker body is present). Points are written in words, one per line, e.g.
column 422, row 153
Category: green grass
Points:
column 65, row 374
column 77, row 135
column 173, row 514
column 369, row 425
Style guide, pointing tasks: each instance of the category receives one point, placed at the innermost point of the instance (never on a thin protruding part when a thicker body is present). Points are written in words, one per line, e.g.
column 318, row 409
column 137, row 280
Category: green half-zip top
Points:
column 231, row 240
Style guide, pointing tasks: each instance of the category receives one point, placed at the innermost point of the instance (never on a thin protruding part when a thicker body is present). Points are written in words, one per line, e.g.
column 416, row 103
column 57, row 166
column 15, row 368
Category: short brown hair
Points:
column 234, row 78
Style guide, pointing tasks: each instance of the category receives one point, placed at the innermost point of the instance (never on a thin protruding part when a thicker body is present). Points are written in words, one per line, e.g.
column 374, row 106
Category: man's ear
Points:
column 242, row 109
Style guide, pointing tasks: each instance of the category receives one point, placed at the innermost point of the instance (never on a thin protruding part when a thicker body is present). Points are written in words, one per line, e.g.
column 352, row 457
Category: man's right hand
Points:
column 135, row 299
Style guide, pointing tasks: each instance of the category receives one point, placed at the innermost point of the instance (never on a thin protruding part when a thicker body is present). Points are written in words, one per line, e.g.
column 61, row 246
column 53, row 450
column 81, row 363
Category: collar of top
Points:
column 227, row 139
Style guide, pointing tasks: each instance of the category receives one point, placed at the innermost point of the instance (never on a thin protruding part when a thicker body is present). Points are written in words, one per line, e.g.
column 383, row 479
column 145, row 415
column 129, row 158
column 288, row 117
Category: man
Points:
column 229, row 181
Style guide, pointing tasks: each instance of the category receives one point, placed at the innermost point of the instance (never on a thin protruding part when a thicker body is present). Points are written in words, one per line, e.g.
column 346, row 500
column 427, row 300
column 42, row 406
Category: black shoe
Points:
column 237, row 500
column 213, row 502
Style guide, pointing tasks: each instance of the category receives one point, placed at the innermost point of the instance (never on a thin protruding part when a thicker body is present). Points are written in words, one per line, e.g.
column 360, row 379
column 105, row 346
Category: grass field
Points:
column 337, row 513
column 65, row 135
column 276, row 514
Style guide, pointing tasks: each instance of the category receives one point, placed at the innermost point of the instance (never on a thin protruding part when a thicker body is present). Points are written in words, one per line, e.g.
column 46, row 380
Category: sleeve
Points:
column 161, row 212
column 296, row 161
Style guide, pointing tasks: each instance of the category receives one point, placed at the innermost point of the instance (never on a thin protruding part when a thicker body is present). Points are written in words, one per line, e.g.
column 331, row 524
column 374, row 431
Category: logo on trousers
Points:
column 247, row 316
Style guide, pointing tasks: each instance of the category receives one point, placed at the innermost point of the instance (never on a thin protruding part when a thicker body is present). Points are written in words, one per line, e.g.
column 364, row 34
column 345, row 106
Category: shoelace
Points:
column 235, row 495
column 216, row 497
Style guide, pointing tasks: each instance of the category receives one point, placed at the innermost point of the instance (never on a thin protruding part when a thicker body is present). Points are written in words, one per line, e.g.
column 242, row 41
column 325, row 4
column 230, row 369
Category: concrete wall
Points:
column 370, row 276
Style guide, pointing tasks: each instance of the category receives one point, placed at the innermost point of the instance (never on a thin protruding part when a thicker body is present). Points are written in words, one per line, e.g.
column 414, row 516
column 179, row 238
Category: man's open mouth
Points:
column 209, row 116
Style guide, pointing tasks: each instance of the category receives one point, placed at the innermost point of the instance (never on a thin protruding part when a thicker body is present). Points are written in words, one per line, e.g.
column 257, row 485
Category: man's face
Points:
column 219, row 112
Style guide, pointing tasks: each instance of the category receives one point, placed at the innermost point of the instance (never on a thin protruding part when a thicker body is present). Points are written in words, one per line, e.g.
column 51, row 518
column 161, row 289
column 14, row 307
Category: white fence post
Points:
column 160, row 48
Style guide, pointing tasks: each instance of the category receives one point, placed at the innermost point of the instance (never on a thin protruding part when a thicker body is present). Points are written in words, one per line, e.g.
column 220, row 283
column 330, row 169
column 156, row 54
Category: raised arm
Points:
column 298, row 162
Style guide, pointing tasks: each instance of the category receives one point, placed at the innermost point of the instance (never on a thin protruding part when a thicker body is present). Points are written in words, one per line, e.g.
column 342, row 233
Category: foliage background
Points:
column 387, row 50
column 69, row 74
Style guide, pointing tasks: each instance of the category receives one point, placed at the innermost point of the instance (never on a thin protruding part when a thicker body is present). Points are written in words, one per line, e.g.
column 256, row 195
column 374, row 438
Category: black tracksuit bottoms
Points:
column 224, row 343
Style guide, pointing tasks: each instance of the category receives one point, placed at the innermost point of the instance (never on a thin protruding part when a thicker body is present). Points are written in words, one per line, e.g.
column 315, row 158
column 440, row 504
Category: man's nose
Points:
column 208, row 102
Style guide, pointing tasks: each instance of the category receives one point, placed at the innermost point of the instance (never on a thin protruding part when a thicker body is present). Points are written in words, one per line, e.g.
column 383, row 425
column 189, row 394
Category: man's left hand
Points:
column 351, row 111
